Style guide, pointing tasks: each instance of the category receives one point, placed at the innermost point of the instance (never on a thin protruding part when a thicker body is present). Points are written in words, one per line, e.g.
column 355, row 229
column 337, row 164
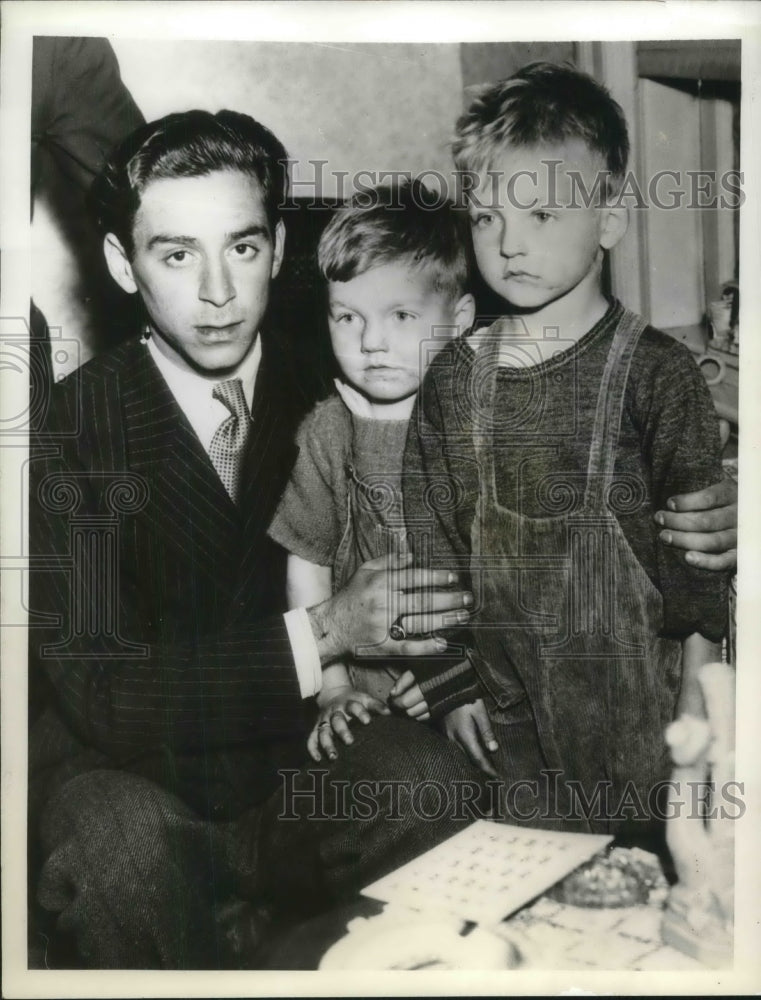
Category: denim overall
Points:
column 578, row 680
column 374, row 527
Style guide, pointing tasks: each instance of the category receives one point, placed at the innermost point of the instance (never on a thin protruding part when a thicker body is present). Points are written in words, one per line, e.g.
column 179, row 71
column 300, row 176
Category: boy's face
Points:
column 533, row 245
column 387, row 324
column 203, row 261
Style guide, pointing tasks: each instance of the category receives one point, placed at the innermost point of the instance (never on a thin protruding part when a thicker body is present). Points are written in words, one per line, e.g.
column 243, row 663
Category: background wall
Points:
column 360, row 107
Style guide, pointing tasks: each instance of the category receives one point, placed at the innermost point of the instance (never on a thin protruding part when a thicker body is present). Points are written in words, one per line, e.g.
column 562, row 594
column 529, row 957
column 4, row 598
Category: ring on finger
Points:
column 325, row 724
column 396, row 631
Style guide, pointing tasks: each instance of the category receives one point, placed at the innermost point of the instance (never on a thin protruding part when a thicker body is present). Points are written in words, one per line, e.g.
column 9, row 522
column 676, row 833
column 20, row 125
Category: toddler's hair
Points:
column 401, row 222
column 540, row 104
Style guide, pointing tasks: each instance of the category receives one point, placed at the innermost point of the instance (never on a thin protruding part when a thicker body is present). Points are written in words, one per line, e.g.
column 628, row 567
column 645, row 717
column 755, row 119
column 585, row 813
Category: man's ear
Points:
column 279, row 248
column 613, row 226
column 118, row 264
column 465, row 313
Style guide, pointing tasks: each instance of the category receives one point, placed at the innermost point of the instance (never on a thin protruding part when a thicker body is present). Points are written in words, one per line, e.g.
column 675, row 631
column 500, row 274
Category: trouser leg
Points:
column 132, row 874
column 142, row 882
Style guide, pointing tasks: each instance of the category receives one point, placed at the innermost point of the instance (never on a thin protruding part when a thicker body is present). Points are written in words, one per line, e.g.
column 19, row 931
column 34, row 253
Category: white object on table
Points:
column 400, row 938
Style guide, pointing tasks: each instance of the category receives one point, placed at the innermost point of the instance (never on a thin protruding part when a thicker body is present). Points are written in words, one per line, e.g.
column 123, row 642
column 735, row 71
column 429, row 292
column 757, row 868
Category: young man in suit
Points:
column 167, row 770
column 168, row 782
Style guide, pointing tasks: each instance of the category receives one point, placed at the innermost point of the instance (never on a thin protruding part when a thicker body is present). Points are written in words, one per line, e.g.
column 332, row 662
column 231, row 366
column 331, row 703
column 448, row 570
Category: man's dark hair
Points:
column 403, row 222
column 540, row 104
column 187, row 144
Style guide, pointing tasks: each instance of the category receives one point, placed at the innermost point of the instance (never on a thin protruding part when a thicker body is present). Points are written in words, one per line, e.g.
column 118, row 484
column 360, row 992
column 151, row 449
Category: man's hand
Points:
column 406, row 696
column 469, row 726
column 383, row 592
column 704, row 523
column 342, row 705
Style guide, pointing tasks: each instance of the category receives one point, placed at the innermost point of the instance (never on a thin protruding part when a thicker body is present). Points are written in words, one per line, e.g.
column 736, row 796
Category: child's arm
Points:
column 680, row 437
column 440, row 487
column 308, row 584
column 468, row 725
column 696, row 651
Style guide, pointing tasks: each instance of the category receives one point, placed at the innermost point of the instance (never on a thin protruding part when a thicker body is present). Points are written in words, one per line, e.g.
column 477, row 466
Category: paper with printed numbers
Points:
column 487, row 871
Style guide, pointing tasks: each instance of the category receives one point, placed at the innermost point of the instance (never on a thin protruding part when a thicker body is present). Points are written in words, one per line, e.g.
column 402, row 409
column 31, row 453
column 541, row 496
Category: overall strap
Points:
column 482, row 391
column 610, row 406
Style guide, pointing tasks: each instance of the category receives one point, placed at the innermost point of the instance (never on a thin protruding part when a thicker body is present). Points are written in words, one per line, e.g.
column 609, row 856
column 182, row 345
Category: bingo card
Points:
column 486, row 871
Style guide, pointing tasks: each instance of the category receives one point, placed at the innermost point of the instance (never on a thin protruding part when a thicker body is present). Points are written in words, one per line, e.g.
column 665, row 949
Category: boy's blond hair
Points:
column 543, row 103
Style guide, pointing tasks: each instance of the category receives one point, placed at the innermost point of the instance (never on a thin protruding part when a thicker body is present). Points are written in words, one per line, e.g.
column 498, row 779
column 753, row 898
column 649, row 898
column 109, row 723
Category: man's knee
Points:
column 405, row 772
column 397, row 747
column 93, row 830
column 131, row 871
column 104, row 807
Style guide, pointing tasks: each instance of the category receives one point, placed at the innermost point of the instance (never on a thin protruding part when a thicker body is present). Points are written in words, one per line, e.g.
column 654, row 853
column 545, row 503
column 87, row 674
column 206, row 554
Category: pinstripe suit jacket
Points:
column 156, row 604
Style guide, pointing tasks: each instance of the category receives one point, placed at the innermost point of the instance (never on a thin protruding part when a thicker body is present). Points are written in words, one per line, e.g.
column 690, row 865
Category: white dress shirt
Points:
column 193, row 394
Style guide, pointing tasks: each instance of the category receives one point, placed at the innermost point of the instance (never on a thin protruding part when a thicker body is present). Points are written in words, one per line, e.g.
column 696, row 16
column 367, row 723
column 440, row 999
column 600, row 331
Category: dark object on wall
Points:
column 80, row 110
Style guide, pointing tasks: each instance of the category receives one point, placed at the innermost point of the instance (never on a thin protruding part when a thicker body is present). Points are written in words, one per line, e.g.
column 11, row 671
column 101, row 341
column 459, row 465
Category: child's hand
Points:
column 469, row 726
column 407, row 697
column 333, row 720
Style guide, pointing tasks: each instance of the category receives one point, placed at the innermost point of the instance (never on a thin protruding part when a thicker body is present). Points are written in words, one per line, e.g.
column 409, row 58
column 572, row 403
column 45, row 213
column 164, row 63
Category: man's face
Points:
column 204, row 256
column 533, row 245
column 387, row 324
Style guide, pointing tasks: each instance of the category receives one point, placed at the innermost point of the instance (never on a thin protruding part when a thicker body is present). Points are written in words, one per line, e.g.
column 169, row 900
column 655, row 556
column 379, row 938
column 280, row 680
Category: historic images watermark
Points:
column 554, row 186
column 549, row 798
column 91, row 566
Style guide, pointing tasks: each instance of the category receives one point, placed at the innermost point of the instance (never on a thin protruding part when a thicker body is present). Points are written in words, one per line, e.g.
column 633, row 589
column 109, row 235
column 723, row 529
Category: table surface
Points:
column 548, row 935
column 553, row 935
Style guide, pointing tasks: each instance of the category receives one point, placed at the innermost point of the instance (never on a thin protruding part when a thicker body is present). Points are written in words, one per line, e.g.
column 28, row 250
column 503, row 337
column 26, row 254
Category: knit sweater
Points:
column 313, row 512
column 542, row 425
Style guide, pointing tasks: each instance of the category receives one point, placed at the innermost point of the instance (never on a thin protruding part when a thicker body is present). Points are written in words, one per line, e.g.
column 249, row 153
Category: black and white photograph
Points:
column 378, row 574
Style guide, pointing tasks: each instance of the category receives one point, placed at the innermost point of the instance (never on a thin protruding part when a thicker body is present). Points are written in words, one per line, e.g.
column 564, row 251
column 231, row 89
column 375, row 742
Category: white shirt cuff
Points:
column 305, row 654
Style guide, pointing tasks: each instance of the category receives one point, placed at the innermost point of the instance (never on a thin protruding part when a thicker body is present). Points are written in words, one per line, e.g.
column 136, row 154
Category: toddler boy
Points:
column 396, row 272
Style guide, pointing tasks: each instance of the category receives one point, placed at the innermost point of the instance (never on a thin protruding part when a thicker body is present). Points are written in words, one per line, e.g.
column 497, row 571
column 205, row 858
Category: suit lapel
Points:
column 189, row 507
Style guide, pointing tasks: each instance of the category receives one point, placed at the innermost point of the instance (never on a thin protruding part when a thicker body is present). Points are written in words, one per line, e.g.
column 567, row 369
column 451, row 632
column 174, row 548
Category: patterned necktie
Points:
column 226, row 449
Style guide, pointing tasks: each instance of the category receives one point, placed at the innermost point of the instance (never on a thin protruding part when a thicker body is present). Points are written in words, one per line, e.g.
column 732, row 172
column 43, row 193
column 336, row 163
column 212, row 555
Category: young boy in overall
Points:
column 564, row 427
column 396, row 271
